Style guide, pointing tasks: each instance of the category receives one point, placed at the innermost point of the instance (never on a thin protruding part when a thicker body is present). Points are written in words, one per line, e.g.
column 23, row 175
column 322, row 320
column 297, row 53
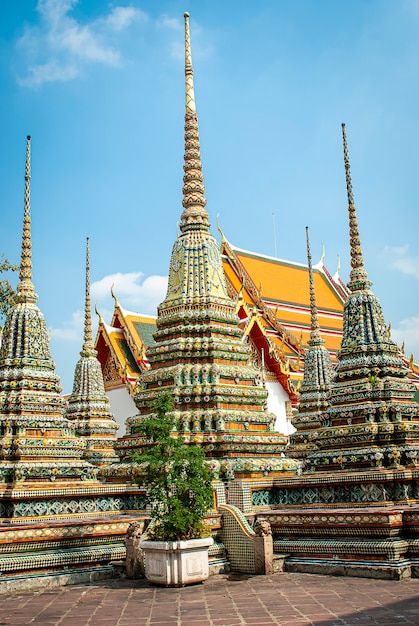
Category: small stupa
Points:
column 37, row 443
column 315, row 388
column 88, row 404
column 371, row 420
column 200, row 353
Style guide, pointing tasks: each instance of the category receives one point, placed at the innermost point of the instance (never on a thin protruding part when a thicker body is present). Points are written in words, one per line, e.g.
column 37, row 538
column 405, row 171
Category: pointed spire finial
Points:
column 25, row 288
column 194, row 216
column 315, row 337
column 88, row 335
column 189, row 86
column 358, row 276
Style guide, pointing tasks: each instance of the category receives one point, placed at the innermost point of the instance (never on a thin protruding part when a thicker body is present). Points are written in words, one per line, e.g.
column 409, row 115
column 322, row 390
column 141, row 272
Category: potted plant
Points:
column 179, row 494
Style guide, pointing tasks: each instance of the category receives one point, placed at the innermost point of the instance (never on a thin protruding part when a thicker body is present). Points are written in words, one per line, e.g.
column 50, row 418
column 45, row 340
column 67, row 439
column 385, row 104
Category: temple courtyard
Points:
column 223, row 600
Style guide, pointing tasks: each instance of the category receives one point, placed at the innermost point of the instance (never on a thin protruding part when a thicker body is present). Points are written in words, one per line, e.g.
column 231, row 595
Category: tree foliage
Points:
column 7, row 293
column 178, row 483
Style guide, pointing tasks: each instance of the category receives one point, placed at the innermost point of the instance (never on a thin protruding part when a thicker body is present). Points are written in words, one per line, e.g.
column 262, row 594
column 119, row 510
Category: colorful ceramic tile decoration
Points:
column 355, row 507
column 315, row 389
column 371, row 420
column 37, row 442
column 88, row 405
column 199, row 354
column 346, row 503
column 57, row 515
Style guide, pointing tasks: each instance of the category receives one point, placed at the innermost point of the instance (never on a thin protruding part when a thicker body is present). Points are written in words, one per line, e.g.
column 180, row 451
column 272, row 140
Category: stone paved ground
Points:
column 227, row 600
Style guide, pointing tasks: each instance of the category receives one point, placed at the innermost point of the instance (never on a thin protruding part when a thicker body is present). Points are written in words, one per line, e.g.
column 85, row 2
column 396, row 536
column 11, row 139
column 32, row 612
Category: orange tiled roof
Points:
column 279, row 291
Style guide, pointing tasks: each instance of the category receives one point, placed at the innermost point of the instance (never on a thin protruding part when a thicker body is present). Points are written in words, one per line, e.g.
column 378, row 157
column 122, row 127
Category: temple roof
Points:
column 279, row 291
column 121, row 346
column 268, row 273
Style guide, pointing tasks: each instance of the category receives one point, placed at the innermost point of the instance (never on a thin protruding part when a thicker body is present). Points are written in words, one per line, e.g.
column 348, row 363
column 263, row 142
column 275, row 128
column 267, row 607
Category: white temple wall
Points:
column 122, row 407
column 277, row 397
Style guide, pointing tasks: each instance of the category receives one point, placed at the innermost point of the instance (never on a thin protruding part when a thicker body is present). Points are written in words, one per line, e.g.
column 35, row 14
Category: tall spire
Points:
column 315, row 388
column 370, row 391
column 200, row 355
column 88, row 405
column 194, row 215
column 358, row 276
column 315, row 338
column 25, row 288
column 36, row 442
column 88, row 347
column 189, row 86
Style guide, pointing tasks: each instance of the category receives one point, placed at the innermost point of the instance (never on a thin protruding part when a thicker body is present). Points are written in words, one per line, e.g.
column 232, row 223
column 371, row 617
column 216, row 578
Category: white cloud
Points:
column 408, row 332
column 49, row 72
column 122, row 17
column 173, row 23
column 132, row 290
column 402, row 261
column 72, row 331
column 59, row 47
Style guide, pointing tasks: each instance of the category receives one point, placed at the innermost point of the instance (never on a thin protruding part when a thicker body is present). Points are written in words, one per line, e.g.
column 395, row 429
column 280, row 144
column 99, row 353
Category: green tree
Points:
column 7, row 293
column 178, row 483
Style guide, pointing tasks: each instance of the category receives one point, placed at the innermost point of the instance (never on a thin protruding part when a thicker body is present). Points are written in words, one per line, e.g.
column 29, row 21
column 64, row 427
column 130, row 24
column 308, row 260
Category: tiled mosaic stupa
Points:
column 37, row 442
column 57, row 517
column 200, row 354
column 371, row 420
column 88, row 405
column 355, row 508
column 315, row 388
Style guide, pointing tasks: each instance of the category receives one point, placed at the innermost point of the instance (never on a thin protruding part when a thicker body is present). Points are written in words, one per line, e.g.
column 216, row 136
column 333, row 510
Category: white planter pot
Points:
column 176, row 563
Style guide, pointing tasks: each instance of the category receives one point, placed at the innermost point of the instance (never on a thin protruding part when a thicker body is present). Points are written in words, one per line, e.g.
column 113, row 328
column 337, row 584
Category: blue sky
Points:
column 100, row 87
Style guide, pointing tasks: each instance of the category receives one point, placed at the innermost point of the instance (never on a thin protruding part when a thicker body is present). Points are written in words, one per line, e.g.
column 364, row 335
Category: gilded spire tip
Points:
column 315, row 338
column 88, row 335
column 358, row 276
column 189, row 85
column 25, row 288
column 194, row 215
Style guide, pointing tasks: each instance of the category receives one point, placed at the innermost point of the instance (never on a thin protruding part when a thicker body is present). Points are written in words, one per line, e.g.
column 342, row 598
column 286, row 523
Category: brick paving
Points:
column 224, row 600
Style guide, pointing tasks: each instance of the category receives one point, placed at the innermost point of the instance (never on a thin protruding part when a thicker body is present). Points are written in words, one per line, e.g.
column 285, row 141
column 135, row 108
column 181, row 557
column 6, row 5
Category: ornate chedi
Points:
column 315, row 389
column 37, row 443
column 371, row 420
column 57, row 517
column 200, row 354
column 88, row 405
column 356, row 510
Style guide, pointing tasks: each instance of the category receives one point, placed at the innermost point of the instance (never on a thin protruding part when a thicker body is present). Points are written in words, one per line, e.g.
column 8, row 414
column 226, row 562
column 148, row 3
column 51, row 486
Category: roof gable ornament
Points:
column 336, row 275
